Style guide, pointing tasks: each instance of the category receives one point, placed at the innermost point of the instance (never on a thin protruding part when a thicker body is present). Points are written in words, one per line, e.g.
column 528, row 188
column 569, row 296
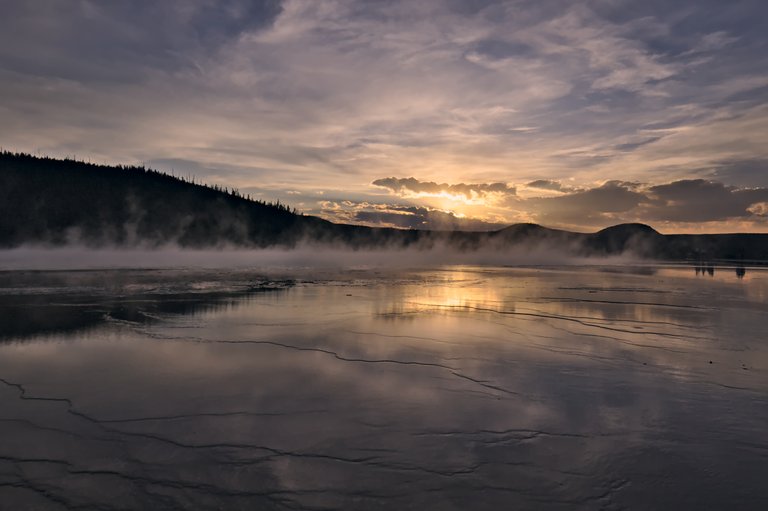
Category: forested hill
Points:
column 54, row 201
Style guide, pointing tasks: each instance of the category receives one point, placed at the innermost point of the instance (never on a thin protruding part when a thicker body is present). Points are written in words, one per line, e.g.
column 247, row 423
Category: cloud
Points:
column 96, row 42
column 411, row 186
column 550, row 185
column 740, row 172
column 403, row 216
column 618, row 62
column 759, row 208
column 631, row 146
column 606, row 201
column 698, row 200
column 678, row 202
column 317, row 97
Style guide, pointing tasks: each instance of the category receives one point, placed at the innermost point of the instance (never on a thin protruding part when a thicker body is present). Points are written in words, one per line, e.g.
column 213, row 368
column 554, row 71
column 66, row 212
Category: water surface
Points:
column 445, row 388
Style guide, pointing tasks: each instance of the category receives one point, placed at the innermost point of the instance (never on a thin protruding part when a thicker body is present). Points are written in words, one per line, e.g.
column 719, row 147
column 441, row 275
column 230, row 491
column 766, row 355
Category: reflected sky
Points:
column 446, row 388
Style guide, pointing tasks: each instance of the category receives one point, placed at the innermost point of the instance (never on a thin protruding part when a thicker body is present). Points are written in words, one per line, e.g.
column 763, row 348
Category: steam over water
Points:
column 454, row 387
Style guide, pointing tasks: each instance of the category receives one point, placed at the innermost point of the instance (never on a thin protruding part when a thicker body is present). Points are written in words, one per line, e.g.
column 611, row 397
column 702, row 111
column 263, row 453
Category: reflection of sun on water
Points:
column 456, row 289
column 588, row 295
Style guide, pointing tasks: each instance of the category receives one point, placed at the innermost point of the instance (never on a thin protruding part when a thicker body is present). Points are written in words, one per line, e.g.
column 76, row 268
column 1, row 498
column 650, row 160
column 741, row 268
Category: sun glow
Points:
column 473, row 199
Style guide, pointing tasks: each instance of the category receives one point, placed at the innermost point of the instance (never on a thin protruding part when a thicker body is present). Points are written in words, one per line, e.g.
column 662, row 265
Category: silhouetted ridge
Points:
column 536, row 235
column 640, row 239
column 57, row 202
column 524, row 230
column 628, row 229
column 60, row 201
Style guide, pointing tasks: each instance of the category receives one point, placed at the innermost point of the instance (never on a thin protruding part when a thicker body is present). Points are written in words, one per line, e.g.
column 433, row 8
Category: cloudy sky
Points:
column 417, row 113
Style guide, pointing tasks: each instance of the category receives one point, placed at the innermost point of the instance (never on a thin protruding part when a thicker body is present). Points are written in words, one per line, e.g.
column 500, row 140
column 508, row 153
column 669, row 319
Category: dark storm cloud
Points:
column 91, row 40
column 698, row 200
column 610, row 199
column 411, row 186
column 682, row 201
column 741, row 172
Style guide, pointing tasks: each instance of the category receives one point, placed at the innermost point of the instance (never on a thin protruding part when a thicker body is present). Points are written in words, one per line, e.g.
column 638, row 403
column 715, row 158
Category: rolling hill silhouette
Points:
column 54, row 202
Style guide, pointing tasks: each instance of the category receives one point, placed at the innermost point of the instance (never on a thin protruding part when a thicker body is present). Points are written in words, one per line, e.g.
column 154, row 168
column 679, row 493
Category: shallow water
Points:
column 447, row 388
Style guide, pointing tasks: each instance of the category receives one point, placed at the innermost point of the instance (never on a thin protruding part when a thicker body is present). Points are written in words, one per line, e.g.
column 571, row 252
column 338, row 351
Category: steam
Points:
column 304, row 256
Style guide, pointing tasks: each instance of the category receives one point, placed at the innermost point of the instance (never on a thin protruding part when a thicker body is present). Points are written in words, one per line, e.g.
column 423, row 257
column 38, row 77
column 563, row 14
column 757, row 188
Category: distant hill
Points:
column 55, row 202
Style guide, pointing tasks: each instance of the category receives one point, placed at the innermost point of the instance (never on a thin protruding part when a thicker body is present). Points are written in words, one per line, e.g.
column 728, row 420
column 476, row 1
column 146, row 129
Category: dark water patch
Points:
column 53, row 303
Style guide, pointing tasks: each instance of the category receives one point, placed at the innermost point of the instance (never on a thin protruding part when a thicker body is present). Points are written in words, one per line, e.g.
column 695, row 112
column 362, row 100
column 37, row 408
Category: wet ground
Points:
column 446, row 388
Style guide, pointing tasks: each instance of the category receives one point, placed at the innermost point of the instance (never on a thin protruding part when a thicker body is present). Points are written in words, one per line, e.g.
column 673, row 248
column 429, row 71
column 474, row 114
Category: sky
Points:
column 439, row 114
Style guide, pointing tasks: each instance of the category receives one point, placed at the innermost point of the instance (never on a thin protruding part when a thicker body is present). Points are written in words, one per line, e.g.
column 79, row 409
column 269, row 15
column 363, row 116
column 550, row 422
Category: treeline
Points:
column 54, row 201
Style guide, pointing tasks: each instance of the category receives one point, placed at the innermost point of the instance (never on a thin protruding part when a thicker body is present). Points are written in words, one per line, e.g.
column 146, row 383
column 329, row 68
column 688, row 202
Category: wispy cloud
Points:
column 549, row 185
column 409, row 187
column 321, row 96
